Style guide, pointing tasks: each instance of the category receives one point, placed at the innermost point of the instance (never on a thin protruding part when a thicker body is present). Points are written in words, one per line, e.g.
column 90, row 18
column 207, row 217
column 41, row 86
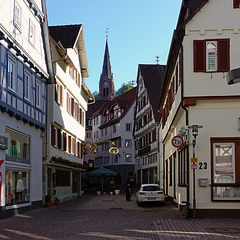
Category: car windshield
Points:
column 151, row 188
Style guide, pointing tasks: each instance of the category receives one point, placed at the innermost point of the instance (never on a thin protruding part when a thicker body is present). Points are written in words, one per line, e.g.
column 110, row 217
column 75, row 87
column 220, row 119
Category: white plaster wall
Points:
column 21, row 37
column 35, row 166
column 216, row 20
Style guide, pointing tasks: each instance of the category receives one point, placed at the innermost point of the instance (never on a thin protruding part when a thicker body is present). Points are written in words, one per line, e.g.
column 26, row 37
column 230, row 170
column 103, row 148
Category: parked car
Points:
column 150, row 193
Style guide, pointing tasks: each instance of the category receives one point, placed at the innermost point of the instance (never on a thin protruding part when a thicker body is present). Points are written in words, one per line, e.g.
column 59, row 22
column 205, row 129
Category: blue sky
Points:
column 139, row 30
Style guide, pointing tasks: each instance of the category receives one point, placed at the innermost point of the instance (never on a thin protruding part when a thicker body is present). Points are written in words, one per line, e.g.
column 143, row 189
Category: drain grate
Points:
column 107, row 201
column 225, row 230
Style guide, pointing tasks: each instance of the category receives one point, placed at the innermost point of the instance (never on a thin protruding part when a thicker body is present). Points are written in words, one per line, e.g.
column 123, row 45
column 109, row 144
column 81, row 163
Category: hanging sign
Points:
column 114, row 150
column 177, row 141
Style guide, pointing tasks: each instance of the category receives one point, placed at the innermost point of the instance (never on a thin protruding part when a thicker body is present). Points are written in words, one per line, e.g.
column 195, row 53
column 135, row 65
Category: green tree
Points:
column 95, row 94
column 124, row 88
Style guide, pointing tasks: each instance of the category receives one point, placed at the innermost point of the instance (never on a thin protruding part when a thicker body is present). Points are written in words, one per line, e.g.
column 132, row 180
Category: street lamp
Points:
column 194, row 133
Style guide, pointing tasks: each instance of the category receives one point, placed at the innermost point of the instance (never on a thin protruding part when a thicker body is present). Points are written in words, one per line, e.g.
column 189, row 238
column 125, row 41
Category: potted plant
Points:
column 57, row 201
column 48, row 201
column 98, row 190
column 117, row 189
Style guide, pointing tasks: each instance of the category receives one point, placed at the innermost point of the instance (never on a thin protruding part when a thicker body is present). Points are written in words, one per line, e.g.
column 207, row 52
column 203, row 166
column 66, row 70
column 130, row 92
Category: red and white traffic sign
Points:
column 177, row 141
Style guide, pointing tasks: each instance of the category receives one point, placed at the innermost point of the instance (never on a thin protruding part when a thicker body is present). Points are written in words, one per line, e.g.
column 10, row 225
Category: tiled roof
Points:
column 66, row 34
column 153, row 80
column 125, row 101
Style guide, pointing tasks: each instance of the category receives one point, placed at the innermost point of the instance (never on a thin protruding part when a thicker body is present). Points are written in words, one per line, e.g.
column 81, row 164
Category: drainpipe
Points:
column 184, row 108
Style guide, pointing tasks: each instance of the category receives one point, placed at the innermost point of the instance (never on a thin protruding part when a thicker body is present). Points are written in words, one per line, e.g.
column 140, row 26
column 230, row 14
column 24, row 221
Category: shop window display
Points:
column 18, row 147
column 17, row 187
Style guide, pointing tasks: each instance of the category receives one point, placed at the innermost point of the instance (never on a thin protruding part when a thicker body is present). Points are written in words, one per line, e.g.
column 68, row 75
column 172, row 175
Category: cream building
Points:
column 205, row 46
column 67, row 106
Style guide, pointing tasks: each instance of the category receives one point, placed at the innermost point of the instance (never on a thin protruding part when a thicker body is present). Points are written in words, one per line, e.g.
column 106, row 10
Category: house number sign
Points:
column 177, row 141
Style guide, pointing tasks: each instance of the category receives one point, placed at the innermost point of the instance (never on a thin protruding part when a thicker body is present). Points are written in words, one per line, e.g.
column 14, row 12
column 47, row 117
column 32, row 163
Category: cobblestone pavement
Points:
column 112, row 217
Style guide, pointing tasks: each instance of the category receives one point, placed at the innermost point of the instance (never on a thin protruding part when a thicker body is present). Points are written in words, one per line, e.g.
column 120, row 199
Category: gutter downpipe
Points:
column 185, row 109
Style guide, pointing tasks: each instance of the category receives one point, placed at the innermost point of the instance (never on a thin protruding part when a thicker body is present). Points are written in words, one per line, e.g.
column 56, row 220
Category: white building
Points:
column 112, row 126
column 23, row 93
column 146, row 122
column 67, row 106
column 205, row 46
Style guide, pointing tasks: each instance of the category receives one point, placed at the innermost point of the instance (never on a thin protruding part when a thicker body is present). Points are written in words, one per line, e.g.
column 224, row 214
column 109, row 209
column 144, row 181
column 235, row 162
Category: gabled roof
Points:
column 153, row 79
column 125, row 101
column 188, row 10
column 69, row 36
column 66, row 34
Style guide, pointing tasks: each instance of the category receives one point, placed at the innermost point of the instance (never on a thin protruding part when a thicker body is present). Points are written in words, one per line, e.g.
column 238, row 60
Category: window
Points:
column 128, row 143
column 18, row 147
column 38, row 94
column 225, row 171
column 210, row 56
column 236, row 3
column 224, row 163
column 27, row 85
column 12, row 81
column 17, row 15
column 115, row 158
column 182, row 167
column 211, row 50
column 59, row 94
column 128, row 127
column 62, row 178
column 128, row 157
column 114, row 128
column 17, row 186
column 31, row 32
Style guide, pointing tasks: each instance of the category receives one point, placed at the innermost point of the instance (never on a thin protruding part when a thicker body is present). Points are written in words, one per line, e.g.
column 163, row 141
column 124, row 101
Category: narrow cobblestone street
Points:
column 112, row 217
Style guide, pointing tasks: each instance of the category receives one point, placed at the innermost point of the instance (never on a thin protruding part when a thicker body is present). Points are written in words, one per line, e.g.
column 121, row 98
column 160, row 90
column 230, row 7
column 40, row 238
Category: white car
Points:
column 150, row 193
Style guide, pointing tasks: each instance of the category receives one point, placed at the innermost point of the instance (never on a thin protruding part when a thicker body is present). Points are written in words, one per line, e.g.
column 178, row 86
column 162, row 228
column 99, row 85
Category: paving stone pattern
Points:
column 112, row 217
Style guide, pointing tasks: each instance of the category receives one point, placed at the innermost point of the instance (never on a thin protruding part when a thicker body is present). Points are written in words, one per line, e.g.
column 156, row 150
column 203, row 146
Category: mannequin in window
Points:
column 20, row 188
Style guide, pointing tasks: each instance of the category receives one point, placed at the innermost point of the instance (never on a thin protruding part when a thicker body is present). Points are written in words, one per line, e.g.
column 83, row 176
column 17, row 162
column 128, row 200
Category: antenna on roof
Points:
column 157, row 59
column 107, row 33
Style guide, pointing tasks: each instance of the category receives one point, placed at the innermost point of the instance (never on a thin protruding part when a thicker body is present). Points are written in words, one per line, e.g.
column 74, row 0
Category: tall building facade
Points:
column 24, row 74
column 67, row 107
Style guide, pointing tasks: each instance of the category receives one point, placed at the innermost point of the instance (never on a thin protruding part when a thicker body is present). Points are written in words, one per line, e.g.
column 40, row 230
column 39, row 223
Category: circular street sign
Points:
column 177, row 141
column 114, row 150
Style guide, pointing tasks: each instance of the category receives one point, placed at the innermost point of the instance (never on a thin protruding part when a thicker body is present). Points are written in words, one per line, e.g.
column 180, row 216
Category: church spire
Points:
column 106, row 83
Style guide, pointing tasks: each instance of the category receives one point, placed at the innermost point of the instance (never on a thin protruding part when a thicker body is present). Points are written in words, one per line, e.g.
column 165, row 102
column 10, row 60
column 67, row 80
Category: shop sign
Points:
column 114, row 150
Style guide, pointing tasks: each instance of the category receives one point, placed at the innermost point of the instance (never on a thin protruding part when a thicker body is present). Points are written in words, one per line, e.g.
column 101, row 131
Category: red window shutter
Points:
column 69, row 144
column 56, row 92
column 199, row 51
column 154, row 135
column 52, row 135
column 64, row 141
column 83, row 118
column 223, row 55
column 236, row 3
column 67, row 102
column 72, row 107
column 59, row 138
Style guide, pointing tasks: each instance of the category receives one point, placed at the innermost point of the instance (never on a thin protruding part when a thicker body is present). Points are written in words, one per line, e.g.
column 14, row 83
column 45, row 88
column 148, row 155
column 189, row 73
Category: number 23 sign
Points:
column 177, row 141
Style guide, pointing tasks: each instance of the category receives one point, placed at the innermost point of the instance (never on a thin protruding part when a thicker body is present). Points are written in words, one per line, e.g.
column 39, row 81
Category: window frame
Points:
column 12, row 81
column 17, row 16
column 27, row 85
column 32, row 33
column 200, row 55
column 38, row 92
